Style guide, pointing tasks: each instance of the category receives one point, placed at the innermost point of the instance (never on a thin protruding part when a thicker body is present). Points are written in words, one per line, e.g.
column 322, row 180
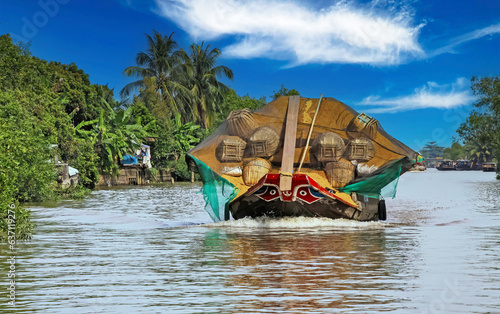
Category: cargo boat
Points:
column 300, row 157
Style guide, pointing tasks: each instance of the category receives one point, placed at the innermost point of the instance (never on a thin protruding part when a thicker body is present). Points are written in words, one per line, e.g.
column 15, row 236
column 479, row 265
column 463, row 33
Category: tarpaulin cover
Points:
column 392, row 158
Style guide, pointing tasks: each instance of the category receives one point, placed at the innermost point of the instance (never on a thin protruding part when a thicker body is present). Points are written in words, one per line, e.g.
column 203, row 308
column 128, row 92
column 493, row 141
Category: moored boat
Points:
column 419, row 166
column 300, row 157
column 463, row 165
column 446, row 165
column 489, row 167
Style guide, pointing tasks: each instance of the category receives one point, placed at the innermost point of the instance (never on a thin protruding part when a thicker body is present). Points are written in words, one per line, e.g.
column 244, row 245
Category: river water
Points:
column 154, row 250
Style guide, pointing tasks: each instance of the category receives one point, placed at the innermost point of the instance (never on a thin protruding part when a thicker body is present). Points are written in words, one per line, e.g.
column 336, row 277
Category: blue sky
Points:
column 406, row 63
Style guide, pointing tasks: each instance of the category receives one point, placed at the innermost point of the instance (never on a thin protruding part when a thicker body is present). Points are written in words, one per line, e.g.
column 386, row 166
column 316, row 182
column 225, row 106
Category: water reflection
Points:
column 305, row 270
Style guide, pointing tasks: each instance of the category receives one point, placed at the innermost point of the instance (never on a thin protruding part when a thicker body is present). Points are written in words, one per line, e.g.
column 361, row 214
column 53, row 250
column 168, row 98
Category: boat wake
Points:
column 296, row 223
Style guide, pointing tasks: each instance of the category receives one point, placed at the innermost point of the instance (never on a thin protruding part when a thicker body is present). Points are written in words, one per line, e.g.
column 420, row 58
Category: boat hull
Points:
column 306, row 199
column 254, row 207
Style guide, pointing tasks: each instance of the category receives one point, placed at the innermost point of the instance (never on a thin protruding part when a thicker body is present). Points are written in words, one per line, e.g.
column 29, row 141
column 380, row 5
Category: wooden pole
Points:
column 289, row 143
column 309, row 135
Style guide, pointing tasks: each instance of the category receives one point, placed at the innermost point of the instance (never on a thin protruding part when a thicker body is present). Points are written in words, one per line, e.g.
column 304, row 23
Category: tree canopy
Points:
column 40, row 104
column 432, row 150
column 283, row 91
column 481, row 131
column 174, row 82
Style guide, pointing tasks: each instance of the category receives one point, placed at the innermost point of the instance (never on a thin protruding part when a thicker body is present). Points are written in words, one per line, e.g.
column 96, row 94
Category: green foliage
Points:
column 179, row 168
column 172, row 143
column 74, row 192
column 81, row 155
column 113, row 137
column 202, row 73
column 40, row 102
column 25, row 171
column 481, row 131
column 140, row 113
column 455, row 152
column 172, row 82
column 159, row 71
column 432, row 150
column 58, row 96
column 20, row 225
column 234, row 102
column 283, row 91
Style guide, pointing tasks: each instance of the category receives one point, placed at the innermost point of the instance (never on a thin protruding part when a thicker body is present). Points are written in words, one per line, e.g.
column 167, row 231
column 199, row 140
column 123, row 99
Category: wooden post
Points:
column 192, row 176
column 288, row 158
column 309, row 135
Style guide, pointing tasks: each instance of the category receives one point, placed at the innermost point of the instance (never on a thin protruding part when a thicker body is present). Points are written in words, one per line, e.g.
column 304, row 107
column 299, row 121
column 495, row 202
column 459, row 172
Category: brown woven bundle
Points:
column 241, row 123
column 361, row 149
column 362, row 126
column 328, row 147
column 339, row 173
column 230, row 149
column 254, row 169
column 263, row 142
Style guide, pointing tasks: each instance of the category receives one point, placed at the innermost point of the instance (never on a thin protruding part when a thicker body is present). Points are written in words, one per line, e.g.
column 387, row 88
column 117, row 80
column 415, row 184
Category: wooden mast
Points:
column 286, row 171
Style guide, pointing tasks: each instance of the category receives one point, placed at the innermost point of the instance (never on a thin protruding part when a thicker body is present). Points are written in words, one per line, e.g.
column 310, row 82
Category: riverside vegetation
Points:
column 177, row 99
column 480, row 133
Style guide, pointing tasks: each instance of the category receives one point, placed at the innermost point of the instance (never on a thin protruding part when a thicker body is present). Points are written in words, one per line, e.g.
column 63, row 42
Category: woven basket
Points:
column 328, row 147
column 241, row 123
column 362, row 126
column 254, row 169
column 230, row 149
column 263, row 142
column 361, row 149
column 339, row 173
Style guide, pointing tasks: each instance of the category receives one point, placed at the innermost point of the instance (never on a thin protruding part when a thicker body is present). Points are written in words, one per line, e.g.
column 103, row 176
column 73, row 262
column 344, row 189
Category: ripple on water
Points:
column 153, row 249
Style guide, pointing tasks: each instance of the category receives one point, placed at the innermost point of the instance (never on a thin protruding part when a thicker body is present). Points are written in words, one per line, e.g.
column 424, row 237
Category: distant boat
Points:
column 419, row 166
column 445, row 165
column 489, row 167
column 464, row 165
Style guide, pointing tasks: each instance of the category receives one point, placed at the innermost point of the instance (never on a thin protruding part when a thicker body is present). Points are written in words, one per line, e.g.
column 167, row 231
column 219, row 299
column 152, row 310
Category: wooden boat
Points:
column 446, row 165
column 463, row 165
column 489, row 167
column 419, row 166
column 300, row 157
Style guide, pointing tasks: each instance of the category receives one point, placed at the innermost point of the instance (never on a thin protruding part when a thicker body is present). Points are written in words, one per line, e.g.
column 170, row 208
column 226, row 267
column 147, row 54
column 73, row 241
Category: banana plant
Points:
column 185, row 134
column 113, row 136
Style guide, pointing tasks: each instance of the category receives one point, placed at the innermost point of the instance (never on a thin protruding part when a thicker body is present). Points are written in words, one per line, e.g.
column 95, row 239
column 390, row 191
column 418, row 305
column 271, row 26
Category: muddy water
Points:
column 154, row 250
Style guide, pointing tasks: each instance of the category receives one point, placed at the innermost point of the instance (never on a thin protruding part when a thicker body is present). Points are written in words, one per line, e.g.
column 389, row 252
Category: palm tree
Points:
column 202, row 71
column 159, row 73
column 479, row 151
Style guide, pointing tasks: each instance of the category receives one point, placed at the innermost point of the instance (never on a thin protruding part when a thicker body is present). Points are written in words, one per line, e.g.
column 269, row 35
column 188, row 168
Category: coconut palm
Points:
column 159, row 73
column 479, row 151
column 202, row 73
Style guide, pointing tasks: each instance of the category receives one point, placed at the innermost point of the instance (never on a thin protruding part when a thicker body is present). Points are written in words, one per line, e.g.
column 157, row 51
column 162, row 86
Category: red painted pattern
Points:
column 301, row 189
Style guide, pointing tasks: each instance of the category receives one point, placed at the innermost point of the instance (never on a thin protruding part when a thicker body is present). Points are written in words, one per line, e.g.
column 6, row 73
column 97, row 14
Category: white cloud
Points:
column 431, row 95
column 289, row 30
column 477, row 34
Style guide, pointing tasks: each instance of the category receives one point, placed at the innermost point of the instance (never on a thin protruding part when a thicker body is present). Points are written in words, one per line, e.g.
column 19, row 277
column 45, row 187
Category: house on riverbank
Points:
column 136, row 170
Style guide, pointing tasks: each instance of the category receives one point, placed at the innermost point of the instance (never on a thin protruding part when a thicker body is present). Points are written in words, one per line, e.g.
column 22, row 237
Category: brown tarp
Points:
column 333, row 116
